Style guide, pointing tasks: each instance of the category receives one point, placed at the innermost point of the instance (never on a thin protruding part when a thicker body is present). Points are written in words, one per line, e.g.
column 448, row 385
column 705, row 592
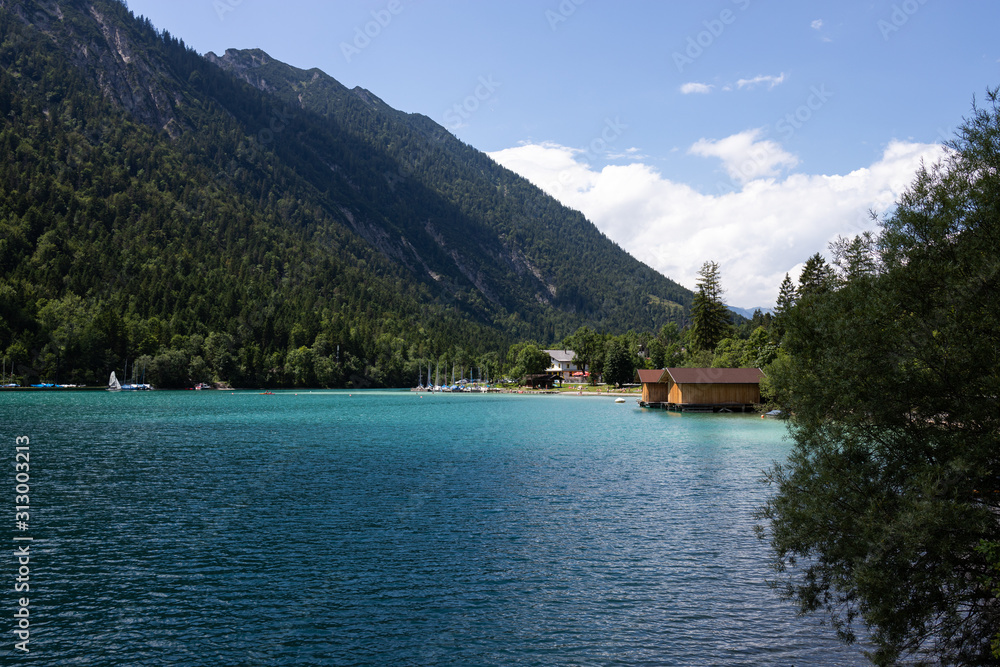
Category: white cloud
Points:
column 757, row 233
column 745, row 156
column 632, row 153
column 700, row 88
column 817, row 24
column 770, row 80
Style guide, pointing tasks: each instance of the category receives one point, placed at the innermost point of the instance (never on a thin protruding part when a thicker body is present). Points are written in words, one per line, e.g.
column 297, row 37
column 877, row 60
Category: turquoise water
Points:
column 355, row 528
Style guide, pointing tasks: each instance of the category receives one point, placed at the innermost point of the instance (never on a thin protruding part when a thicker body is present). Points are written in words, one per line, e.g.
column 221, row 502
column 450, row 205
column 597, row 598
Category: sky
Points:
column 744, row 132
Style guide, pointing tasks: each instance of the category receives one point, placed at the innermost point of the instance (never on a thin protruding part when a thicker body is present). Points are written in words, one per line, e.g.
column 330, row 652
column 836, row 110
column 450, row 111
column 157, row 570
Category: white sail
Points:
column 113, row 383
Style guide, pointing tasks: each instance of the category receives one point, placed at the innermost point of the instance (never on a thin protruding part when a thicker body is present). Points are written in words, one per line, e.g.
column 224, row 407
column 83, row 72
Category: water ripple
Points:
column 379, row 528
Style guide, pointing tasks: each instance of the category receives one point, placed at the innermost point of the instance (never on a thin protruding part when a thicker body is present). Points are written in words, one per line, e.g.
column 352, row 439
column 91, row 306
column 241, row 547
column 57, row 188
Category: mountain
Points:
column 236, row 217
column 482, row 225
column 748, row 312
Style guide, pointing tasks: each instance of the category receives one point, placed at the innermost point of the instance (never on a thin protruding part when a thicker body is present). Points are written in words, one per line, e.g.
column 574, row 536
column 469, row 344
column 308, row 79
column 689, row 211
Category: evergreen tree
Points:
column 130, row 219
column 709, row 314
column 886, row 513
column 817, row 277
column 786, row 297
column 619, row 362
column 857, row 256
column 786, row 300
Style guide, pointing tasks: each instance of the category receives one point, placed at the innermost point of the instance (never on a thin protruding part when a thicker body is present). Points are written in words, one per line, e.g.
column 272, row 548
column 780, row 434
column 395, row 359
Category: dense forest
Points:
column 885, row 514
column 170, row 210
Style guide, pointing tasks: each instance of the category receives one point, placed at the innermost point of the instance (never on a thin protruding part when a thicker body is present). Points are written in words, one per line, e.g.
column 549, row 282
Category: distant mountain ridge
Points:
column 176, row 195
column 748, row 312
column 490, row 197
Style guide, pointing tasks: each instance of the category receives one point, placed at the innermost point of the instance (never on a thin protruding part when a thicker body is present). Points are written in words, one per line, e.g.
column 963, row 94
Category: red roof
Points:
column 647, row 376
column 702, row 375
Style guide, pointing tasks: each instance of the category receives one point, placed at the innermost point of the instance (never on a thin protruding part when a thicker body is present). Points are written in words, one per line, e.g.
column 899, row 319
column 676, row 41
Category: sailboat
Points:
column 113, row 383
column 8, row 383
column 133, row 385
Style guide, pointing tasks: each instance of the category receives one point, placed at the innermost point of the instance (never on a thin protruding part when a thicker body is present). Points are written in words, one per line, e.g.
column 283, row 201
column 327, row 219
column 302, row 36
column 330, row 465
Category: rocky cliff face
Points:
column 244, row 64
column 471, row 233
column 114, row 52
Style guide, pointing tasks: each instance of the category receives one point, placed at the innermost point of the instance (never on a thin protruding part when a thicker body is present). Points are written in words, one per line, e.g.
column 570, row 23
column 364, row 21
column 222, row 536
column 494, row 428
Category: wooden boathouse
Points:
column 701, row 389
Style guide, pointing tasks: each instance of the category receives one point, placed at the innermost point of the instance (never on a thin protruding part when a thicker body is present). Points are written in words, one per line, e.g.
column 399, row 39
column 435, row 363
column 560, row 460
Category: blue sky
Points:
column 746, row 132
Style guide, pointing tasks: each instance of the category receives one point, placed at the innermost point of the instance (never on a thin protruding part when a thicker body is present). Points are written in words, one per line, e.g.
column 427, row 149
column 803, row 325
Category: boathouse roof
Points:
column 701, row 375
column 650, row 375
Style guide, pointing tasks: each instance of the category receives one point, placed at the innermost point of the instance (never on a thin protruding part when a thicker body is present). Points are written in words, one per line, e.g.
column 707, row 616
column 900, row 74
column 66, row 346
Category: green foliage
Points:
column 757, row 351
column 527, row 359
column 620, row 362
column 730, row 353
column 657, row 353
column 786, row 301
column 588, row 345
column 770, row 387
column 665, row 350
column 761, row 351
column 817, row 278
column 237, row 234
column 892, row 374
column 991, row 552
column 857, row 256
column 710, row 317
column 169, row 369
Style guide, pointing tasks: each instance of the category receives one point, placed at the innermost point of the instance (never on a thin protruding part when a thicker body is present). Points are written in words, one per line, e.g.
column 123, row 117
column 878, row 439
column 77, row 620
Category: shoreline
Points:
column 545, row 392
column 533, row 392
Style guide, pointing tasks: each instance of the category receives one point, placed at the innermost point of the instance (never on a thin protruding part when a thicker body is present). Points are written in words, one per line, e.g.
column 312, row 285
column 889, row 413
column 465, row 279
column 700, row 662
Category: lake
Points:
column 356, row 528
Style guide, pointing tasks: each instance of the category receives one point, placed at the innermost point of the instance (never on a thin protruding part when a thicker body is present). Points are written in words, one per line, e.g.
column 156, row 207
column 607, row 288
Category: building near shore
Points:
column 701, row 389
column 562, row 364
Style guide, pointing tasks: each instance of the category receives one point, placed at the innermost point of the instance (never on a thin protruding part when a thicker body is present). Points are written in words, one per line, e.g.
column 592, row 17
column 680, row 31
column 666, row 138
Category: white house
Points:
column 561, row 363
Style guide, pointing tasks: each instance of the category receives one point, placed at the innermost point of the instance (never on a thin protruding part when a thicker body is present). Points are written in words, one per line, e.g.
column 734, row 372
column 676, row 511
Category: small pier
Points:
column 700, row 407
column 56, row 388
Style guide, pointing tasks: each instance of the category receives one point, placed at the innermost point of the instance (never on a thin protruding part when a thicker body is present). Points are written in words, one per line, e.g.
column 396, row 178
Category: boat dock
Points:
column 56, row 388
column 700, row 407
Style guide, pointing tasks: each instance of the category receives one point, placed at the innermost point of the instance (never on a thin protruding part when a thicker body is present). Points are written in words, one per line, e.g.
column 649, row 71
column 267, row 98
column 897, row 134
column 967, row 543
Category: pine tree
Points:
column 886, row 513
column 709, row 314
column 817, row 277
column 786, row 297
column 786, row 301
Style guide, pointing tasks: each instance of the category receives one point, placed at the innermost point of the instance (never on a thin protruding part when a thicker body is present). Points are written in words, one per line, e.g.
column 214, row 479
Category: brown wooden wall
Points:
column 655, row 392
column 714, row 394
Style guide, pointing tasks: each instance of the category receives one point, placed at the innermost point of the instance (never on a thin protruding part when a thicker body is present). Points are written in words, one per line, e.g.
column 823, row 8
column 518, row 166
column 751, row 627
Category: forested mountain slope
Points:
column 238, row 218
